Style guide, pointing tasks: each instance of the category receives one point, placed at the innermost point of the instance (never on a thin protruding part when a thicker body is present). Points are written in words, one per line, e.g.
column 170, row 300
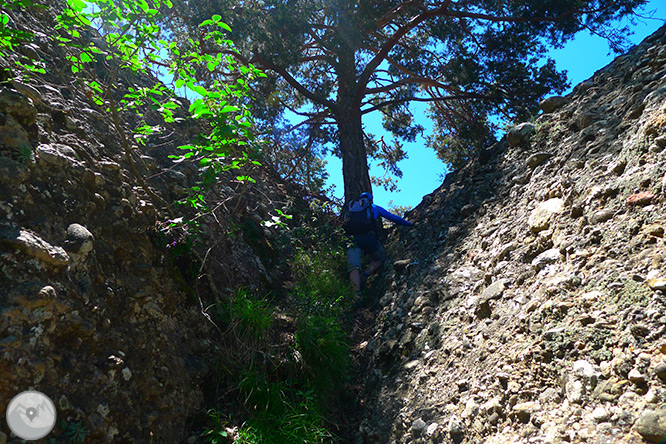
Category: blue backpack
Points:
column 358, row 217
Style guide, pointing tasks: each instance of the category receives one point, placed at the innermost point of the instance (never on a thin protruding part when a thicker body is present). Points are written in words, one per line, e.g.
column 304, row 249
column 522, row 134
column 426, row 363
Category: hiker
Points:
column 359, row 222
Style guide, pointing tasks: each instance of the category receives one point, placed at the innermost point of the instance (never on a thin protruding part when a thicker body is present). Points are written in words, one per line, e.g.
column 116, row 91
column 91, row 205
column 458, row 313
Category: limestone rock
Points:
column 537, row 159
column 547, row 257
column 419, row 425
column 18, row 106
column 34, row 246
column 552, row 288
column 657, row 283
column 456, row 428
column 525, row 410
column 601, row 216
column 495, row 290
column 660, row 371
column 541, row 216
column 57, row 155
column 636, row 377
column 551, row 104
column 600, row 414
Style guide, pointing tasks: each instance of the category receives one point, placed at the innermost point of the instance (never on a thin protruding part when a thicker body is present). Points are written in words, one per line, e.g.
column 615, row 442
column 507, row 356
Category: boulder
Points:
column 520, row 133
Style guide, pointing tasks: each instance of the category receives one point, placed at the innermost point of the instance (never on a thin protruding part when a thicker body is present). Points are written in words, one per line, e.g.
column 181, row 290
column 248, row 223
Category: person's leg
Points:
column 376, row 261
column 355, row 277
column 354, row 257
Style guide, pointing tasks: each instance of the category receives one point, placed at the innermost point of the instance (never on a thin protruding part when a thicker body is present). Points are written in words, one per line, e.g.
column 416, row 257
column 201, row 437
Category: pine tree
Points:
column 469, row 59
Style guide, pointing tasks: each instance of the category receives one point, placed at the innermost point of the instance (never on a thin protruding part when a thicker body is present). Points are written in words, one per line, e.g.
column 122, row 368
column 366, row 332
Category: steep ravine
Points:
column 528, row 304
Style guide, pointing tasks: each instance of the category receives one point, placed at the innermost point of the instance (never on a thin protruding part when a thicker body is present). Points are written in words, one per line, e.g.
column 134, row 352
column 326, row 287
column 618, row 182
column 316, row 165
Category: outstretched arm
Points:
column 381, row 212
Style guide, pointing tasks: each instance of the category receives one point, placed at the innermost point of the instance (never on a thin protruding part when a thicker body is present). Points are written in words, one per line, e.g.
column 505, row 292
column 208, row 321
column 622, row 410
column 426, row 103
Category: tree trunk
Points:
column 354, row 158
column 355, row 171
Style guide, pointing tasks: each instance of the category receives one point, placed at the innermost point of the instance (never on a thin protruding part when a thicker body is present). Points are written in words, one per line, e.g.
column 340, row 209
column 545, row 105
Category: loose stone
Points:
column 652, row 425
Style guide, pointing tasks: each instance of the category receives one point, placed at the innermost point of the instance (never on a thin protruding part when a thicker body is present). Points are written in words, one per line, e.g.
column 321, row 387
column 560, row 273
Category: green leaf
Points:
column 143, row 5
column 77, row 5
column 224, row 26
column 216, row 18
column 229, row 109
column 200, row 90
column 85, row 20
column 85, row 57
column 95, row 86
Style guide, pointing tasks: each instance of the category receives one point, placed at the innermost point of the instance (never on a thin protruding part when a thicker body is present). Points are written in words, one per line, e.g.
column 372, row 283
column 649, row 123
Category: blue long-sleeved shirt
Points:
column 378, row 212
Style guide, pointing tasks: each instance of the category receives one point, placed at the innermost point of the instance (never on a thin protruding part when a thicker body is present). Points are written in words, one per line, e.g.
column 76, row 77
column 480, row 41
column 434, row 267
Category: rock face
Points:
column 94, row 310
column 539, row 317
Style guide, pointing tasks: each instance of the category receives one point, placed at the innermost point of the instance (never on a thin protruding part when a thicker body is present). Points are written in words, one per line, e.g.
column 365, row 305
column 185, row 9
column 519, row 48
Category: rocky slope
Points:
column 94, row 310
column 528, row 304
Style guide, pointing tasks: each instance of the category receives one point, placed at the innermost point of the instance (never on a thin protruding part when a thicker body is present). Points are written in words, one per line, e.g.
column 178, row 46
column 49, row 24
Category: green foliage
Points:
column 75, row 432
column 133, row 42
column 11, row 37
column 323, row 347
column 283, row 413
column 321, row 286
column 295, row 153
column 217, row 432
column 278, row 219
column 323, row 296
column 251, row 316
column 25, row 154
column 400, row 210
column 287, row 389
column 462, row 136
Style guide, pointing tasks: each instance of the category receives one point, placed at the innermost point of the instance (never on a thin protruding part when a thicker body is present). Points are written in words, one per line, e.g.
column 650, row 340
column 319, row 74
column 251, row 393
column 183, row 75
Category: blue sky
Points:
column 423, row 172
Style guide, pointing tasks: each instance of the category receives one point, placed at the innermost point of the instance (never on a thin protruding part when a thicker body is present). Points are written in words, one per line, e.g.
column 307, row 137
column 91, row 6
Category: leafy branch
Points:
column 132, row 41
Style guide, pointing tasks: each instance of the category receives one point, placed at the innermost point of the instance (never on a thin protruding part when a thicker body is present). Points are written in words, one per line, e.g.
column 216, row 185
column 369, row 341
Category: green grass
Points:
column 324, row 349
column 280, row 412
column 286, row 391
column 322, row 284
column 252, row 315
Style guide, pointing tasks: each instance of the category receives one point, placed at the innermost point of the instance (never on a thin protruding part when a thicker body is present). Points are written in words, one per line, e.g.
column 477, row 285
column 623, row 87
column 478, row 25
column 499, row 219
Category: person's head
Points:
column 367, row 196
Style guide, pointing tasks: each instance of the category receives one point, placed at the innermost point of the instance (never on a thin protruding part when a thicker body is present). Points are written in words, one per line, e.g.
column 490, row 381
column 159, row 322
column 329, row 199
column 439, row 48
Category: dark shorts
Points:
column 364, row 244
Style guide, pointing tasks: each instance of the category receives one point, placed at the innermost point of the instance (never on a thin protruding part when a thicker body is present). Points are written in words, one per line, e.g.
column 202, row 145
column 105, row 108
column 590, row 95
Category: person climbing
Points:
column 360, row 224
